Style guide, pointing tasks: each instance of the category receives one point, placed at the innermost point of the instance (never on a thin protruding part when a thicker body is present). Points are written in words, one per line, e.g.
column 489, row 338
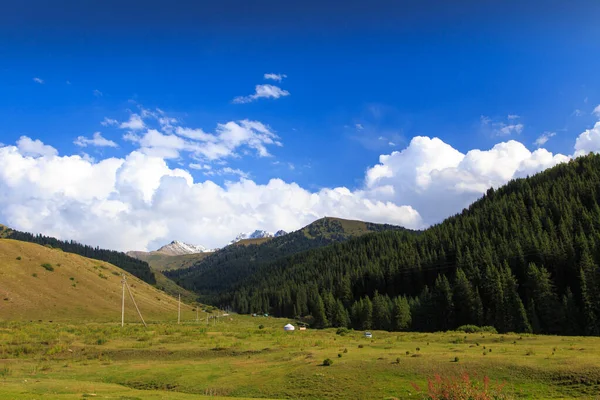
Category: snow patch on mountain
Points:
column 257, row 234
column 176, row 248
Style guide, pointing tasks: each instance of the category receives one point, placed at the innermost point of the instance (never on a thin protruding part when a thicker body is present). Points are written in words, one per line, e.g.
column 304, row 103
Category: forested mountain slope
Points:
column 136, row 267
column 523, row 258
column 234, row 263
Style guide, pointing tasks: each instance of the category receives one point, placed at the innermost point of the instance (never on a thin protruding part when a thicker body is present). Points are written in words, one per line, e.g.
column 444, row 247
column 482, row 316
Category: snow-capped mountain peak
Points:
column 257, row 234
column 176, row 248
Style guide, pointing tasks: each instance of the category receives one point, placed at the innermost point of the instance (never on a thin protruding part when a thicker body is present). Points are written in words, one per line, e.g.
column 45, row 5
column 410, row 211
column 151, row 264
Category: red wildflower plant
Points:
column 460, row 388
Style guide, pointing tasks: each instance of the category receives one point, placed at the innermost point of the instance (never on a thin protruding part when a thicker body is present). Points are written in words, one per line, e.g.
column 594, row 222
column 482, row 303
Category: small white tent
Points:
column 289, row 327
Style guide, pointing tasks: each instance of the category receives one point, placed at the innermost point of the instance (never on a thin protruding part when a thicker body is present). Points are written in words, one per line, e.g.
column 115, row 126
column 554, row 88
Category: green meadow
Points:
column 246, row 357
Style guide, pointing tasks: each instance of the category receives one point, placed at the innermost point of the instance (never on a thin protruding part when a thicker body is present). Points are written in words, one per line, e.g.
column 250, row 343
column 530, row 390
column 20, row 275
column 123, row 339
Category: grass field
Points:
column 234, row 358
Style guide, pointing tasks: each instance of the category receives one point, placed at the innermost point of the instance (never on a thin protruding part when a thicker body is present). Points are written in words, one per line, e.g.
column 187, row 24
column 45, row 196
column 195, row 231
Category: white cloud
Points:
column 500, row 128
column 35, row 148
column 359, row 127
column 262, row 91
column 429, row 170
column 135, row 123
column 275, row 77
column 578, row 113
column 543, row 138
column 109, row 122
column 97, row 140
column 596, row 111
column 200, row 166
column 588, row 141
column 139, row 202
column 98, row 93
column 228, row 171
column 38, row 80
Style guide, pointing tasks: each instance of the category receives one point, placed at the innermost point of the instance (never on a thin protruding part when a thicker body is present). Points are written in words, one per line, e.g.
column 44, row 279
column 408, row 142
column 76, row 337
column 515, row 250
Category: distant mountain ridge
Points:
column 233, row 263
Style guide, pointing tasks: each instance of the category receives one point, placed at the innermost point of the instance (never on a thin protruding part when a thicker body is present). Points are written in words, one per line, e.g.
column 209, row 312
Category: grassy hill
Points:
column 233, row 264
column 40, row 283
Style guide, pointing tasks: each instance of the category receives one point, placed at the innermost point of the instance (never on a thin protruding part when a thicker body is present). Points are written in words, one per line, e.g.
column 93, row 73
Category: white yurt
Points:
column 289, row 327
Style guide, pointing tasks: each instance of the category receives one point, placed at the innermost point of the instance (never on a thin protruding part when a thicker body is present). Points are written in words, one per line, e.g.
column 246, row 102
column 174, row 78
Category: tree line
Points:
column 523, row 258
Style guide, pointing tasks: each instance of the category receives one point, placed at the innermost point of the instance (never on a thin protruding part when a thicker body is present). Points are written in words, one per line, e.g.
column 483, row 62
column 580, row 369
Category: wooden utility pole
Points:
column 179, row 311
column 134, row 303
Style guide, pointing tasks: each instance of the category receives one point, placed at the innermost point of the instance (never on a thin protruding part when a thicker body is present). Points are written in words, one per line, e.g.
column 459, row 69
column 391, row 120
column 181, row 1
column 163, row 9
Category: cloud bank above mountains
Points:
column 139, row 201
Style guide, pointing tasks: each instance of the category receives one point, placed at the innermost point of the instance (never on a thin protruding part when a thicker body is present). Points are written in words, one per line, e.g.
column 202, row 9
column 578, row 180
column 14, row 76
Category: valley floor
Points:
column 235, row 358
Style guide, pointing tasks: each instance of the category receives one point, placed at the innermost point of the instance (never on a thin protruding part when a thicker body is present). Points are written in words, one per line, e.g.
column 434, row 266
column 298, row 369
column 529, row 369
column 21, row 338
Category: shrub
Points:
column 456, row 359
column 360, row 346
column 489, row 329
column 476, row 329
column 71, row 279
column 48, row 267
column 345, row 350
column 19, row 258
column 339, row 355
column 398, row 360
column 461, row 387
column 261, row 326
column 34, row 275
column 418, row 349
column 468, row 328
column 327, row 362
column 342, row 331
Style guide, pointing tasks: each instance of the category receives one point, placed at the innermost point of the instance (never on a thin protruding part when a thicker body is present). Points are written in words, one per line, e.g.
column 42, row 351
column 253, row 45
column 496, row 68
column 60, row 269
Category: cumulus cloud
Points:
column 135, row 123
column 38, row 80
column 262, row 92
column 429, row 170
column 543, row 138
column 588, row 141
column 97, row 140
column 140, row 202
column 35, row 148
column 596, row 111
column 275, row 77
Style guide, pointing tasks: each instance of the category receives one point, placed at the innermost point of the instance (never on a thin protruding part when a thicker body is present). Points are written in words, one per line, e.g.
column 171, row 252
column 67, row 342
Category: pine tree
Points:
column 442, row 299
column 401, row 317
column 463, row 299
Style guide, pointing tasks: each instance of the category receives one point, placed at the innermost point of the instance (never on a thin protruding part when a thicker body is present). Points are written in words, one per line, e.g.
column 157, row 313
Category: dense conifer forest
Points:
column 136, row 267
column 523, row 258
column 235, row 263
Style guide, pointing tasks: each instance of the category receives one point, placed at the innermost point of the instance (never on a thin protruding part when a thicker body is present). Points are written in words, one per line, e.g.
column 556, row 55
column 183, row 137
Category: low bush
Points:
column 342, row 331
column 476, row 329
column 48, row 267
column 327, row 362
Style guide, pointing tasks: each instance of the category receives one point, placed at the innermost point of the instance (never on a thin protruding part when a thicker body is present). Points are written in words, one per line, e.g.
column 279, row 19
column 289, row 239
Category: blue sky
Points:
column 362, row 79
